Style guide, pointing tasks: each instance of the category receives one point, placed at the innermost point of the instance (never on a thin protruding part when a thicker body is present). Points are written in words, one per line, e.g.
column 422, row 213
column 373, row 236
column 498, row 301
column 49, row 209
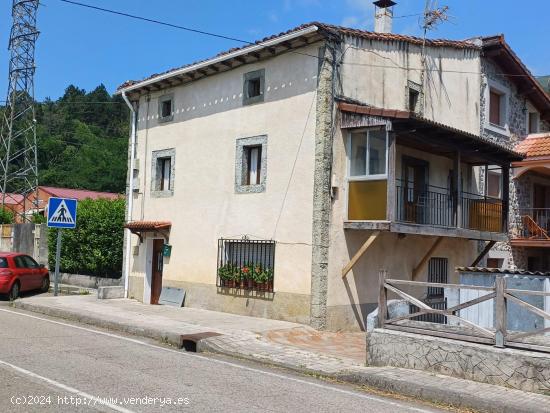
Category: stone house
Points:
column 311, row 160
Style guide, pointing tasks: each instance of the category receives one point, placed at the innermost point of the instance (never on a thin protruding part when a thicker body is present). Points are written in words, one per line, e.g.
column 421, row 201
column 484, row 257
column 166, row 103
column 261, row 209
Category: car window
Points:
column 19, row 262
column 29, row 262
column 3, row 263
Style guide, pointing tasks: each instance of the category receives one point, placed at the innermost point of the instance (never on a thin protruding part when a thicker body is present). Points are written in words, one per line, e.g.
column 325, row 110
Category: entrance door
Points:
column 156, row 271
column 415, row 183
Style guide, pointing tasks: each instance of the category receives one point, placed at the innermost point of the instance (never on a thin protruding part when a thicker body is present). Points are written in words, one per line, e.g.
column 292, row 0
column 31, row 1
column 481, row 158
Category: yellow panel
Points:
column 367, row 200
column 485, row 216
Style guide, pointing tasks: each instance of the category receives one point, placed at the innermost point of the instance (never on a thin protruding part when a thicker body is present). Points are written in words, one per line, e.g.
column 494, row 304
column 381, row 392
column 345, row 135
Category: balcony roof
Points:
column 431, row 136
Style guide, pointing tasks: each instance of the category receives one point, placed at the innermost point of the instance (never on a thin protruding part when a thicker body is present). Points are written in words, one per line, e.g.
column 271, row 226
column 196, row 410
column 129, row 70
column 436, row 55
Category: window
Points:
column 413, row 100
column 251, row 164
column 533, row 126
column 165, row 173
column 3, row 263
column 166, row 108
column 163, row 169
column 494, row 184
column 253, row 87
column 368, row 154
column 29, row 262
column 19, row 261
column 495, row 109
column 246, row 264
column 495, row 262
column 437, row 273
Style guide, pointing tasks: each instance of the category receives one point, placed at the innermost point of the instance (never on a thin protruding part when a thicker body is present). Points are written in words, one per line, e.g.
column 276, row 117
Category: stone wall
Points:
column 518, row 369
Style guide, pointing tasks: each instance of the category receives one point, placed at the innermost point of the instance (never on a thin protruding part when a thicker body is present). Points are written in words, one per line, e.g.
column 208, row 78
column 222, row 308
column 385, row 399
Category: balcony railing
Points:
column 532, row 223
column 482, row 213
column 433, row 206
column 438, row 207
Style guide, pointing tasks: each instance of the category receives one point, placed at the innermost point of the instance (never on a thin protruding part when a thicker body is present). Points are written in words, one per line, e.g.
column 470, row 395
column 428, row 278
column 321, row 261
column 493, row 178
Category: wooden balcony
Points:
column 531, row 228
column 439, row 212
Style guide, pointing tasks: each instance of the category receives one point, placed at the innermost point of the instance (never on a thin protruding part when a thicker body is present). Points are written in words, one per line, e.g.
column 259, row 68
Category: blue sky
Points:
column 86, row 47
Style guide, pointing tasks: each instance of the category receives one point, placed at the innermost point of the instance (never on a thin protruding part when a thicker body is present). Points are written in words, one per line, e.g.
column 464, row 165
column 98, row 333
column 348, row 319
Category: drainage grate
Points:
column 189, row 342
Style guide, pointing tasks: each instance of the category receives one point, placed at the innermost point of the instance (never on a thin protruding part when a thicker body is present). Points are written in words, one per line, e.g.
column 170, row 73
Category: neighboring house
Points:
column 19, row 203
column 530, row 229
column 318, row 157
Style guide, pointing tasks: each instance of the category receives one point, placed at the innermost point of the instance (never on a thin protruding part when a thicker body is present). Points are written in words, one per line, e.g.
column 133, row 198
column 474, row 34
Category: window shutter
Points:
column 494, row 108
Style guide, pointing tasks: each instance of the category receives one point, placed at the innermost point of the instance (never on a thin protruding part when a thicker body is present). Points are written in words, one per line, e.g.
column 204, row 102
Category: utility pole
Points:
column 18, row 152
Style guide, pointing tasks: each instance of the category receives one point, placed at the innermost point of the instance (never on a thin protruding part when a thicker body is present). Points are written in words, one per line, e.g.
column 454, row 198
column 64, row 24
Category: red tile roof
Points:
column 535, row 147
column 14, row 199
column 327, row 29
column 148, row 225
column 79, row 194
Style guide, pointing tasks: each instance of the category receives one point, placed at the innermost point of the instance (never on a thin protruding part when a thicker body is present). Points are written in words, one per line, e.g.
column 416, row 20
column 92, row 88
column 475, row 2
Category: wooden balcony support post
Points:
column 505, row 197
column 392, row 188
column 425, row 258
column 359, row 253
column 500, row 311
column 457, row 178
column 382, row 298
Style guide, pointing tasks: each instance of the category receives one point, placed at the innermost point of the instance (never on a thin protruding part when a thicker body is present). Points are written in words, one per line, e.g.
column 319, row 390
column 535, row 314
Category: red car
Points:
column 19, row 272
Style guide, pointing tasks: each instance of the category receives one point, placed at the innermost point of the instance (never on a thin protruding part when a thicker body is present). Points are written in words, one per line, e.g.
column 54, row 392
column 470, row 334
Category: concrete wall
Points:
column 377, row 72
column 208, row 119
column 518, row 369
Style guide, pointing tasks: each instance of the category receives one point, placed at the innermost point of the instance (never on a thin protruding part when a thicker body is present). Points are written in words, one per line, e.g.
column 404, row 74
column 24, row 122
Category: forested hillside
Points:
column 82, row 140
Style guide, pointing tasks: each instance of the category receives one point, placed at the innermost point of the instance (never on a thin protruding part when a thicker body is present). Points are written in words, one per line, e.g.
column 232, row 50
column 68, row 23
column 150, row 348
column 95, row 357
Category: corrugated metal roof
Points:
column 79, row 194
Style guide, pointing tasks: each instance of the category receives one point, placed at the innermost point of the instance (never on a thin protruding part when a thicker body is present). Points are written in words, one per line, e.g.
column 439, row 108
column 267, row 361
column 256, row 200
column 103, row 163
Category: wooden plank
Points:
column 526, row 292
column 426, row 257
column 482, row 330
column 519, row 336
column 391, row 184
column 406, row 316
column 408, row 297
column 526, row 346
column 528, row 306
column 470, row 303
column 443, row 285
column 437, row 333
column 488, row 246
column 500, row 311
column 382, row 298
column 359, row 253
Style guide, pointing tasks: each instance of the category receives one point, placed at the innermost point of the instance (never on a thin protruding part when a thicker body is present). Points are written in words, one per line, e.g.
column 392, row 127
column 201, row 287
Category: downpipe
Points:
column 130, row 205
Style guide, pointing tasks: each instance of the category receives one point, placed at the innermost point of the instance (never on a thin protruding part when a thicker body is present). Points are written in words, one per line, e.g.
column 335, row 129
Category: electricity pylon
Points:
column 18, row 152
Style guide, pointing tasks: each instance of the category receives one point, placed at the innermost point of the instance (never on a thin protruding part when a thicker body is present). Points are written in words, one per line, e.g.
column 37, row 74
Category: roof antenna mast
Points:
column 433, row 15
column 18, row 151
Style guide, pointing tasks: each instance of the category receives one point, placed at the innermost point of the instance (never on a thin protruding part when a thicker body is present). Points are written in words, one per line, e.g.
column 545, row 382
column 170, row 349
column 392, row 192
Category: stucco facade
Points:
column 192, row 171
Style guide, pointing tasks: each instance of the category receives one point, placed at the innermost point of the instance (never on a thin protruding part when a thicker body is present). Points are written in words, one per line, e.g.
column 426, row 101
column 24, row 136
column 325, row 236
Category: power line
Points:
column 206, row 33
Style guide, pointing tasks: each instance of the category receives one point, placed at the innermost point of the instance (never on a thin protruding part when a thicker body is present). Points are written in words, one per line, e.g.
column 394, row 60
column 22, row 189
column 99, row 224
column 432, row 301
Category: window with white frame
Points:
column 368, row 154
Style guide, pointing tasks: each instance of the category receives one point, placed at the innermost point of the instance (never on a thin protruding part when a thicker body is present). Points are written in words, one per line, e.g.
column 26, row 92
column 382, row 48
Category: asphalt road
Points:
column 49, row 365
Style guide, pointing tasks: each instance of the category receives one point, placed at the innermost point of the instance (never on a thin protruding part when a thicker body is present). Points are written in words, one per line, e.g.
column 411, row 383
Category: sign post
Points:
column 61, row 214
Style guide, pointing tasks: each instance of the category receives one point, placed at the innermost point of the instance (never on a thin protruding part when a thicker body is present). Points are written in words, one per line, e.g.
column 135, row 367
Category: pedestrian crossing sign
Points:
column 61, row 213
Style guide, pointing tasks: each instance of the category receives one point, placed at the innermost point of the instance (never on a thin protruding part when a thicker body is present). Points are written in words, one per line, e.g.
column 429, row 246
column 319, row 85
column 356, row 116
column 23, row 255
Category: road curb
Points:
column 455, row 392
column 166, row 337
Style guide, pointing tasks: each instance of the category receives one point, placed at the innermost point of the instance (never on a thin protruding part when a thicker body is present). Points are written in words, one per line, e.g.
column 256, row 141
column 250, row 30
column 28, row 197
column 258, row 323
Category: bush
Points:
column 6, row 216
column 94, row 247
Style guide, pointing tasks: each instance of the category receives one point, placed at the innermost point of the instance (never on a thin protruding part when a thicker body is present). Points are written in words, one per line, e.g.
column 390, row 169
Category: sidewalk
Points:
column 280, row 343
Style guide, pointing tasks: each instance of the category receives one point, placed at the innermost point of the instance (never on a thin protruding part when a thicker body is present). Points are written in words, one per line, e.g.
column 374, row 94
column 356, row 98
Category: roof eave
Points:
column 496, row 48
column 232, row 55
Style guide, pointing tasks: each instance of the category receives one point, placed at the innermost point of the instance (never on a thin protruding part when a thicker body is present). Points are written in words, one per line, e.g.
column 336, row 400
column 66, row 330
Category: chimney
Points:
column 383, row 15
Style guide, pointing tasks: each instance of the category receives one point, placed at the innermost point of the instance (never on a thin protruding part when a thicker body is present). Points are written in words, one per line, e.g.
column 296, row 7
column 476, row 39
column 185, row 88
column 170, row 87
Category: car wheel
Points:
column 45, row 284
column 14, row 291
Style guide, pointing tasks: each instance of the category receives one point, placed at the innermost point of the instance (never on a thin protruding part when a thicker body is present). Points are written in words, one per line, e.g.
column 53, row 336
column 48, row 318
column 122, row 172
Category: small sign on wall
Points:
column 166, row 250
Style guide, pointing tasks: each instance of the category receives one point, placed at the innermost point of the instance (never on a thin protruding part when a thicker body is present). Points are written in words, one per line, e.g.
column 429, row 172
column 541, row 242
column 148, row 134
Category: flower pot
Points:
column 249, row 284
column 230, row 283
column 270, row 286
